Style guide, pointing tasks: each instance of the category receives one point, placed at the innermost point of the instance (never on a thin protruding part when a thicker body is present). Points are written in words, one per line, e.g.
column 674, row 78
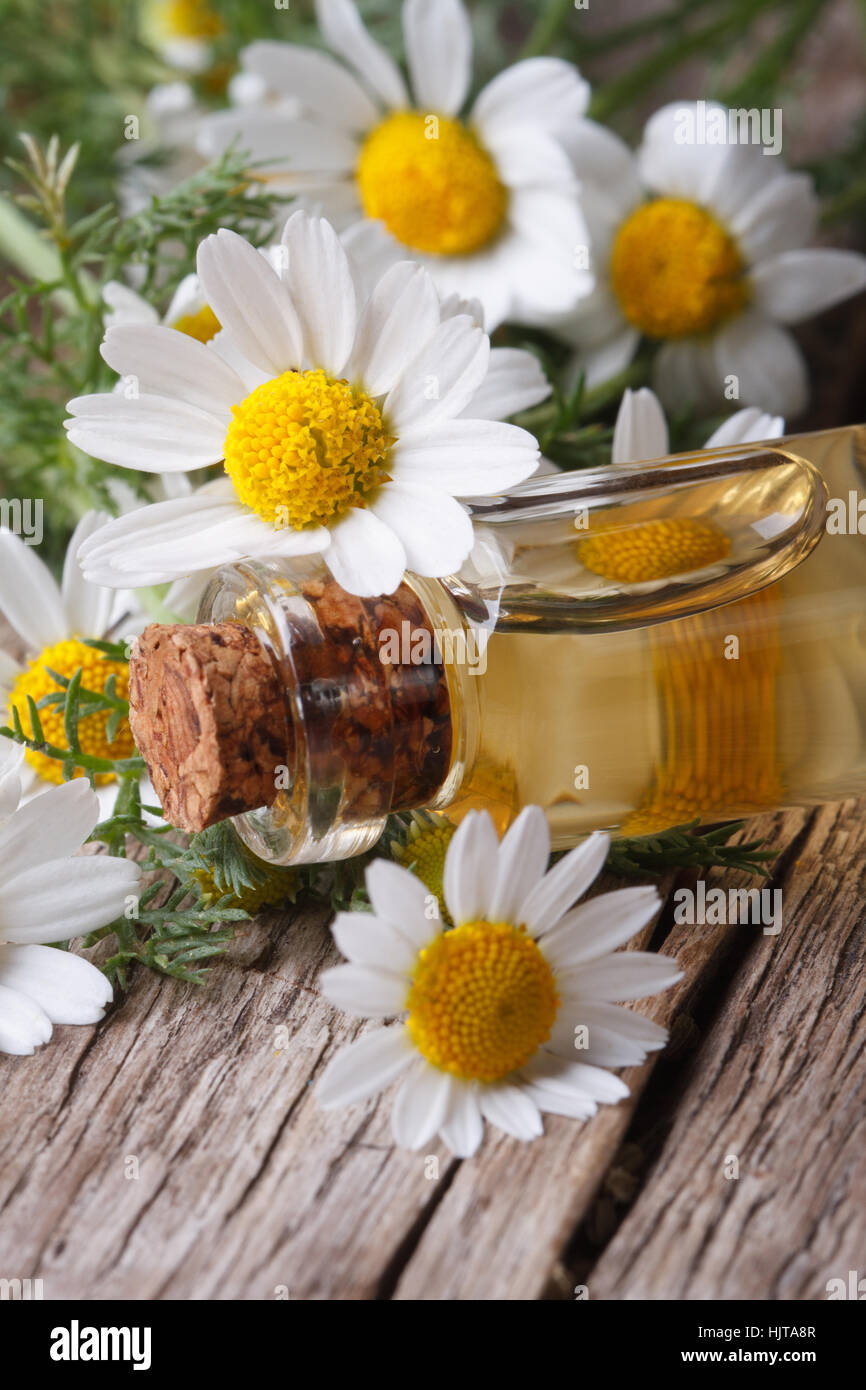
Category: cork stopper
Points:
column 208, row 716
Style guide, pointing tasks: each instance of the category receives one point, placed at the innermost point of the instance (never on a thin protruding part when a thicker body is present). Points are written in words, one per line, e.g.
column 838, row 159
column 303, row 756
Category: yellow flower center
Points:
column 302, row 449
column 675, row 270
column 424, row 854
column 653, row 549
column 432, row 183
column 189, row 19
column 202, row 325
column 65, row 658
column 483, row 1000
column 278, row 886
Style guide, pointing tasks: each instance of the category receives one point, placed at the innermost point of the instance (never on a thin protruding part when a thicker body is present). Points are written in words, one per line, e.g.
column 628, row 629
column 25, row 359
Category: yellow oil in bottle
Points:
column 754, row 705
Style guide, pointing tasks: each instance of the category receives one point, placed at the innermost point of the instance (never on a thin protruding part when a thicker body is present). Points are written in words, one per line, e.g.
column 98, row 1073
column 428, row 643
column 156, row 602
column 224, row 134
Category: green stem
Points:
column 845, row 203
column 24, row 246
column 88, row 762
column 601, row 396
column 622, row 91
column 545, row 30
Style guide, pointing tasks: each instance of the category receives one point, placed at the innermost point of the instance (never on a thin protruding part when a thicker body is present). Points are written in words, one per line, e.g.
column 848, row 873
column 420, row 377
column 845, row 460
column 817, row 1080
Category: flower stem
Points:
column 545, row 31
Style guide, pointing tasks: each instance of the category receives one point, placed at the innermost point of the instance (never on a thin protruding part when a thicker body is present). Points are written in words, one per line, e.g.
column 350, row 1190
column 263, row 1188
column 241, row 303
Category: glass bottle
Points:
column 631, row 648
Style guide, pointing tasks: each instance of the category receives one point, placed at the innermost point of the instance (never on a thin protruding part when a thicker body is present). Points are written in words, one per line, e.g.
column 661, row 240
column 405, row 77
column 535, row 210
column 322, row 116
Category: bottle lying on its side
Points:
column 630, row 648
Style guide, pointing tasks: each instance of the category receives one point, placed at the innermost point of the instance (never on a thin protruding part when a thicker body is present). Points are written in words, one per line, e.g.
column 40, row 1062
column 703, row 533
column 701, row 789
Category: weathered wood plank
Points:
column 779, row 1083
column 243, row 1184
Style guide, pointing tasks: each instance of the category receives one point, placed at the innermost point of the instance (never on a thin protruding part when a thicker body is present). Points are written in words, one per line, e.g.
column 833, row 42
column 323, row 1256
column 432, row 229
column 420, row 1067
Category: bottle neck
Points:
column 370, row 702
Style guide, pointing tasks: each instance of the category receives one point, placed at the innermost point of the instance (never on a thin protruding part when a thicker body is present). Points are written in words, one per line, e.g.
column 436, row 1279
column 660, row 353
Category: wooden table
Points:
column 176, row 1149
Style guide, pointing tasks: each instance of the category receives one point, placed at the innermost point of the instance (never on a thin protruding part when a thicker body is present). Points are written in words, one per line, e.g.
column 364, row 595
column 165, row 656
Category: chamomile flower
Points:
column 488, row 202
column 49, row 894
column 700, row 248
column 346, row 430
column 183, row 31
column 52, row 621
column 511, row 1012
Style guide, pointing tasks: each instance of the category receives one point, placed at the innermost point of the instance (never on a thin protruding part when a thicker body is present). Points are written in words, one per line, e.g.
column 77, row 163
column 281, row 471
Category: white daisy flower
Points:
column 52, row 620
column 47, row 895
column 183, row 32
column 700, row 248
column 346, row 429
column 509, row 1014
column 488, row 203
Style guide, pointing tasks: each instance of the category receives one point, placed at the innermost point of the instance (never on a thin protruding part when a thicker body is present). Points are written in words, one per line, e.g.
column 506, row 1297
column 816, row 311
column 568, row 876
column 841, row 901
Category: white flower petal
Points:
column 52, row 827
column 556, row 1079
column 463, row 1129
column 521, row 864
column 150, row 433
column 250, row 301
column 511, row 1109
column 603, row 361
column 530, row 158
column 797, row 284
column 364, row 556
column 23, row 1025
column 66, row 897
column 441, row 380
column 172, row 364
column 641, row 430
column 599, row 926
column 315, row 79
column 467, row 458
column 622, row 976
column 780, row 215
column 617, row 1037
column 676, row 167
column 365, row 1067
column 563, row 884
column 171, row 540
column 187, row 299
column 469, row 868
column 515, row 381
column 539, row 91
column 438, row 39
column 747, row 426
column 684, row 371
column 67, row 988
column 284, row 144
column 364, row 990
column 766, row 361
column 11, row 758
column 323, row 291
column 602, row 159
column 29, row 596
column 434, row 529
column 402, row 312
column 549, row 236
column 125, row 306
column 368, row 940
column 88, row 607
column 344, row 31
column 400, row 898
column 420, row 1107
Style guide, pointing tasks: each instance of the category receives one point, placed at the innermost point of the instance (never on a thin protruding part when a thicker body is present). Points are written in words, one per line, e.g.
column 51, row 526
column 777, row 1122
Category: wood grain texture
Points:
column 779, row 1083
column 244, row 1188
